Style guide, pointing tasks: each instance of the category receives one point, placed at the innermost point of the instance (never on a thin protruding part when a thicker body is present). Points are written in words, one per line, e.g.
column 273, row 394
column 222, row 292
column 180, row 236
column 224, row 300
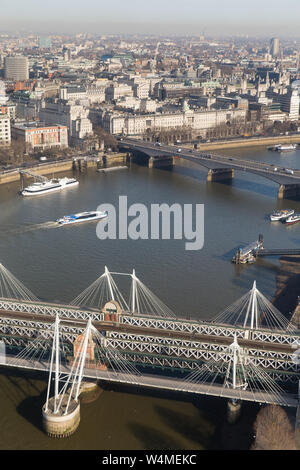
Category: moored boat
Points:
column 281, row 214
column 292, row 219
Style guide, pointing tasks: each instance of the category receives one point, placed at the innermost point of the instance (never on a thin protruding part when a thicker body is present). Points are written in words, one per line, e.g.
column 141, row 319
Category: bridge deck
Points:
column 212, row 161
column 165, row 383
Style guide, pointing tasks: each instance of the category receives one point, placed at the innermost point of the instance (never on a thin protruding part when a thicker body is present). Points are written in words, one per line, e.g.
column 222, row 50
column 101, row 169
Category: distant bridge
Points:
column 219, row 167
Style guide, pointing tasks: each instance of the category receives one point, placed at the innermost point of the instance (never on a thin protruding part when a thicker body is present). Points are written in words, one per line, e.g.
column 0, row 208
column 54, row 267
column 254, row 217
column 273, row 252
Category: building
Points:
column 3, row 97
column 73, row 93
column 5, row 137
column 37, row 135
column 16, row 68
column 274, row 47
column 290, row 103
column 197, row 121
column 74, row 116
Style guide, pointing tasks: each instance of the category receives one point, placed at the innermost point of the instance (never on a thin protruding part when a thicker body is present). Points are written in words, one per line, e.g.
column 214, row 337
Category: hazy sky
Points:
column 263, row 17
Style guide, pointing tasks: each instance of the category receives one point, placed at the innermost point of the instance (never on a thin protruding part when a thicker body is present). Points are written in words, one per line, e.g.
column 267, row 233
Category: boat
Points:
column 49, row 186
column 286, row 148
column 283, row 148
column 292, row 219
column 281, row 215
column 82, row 217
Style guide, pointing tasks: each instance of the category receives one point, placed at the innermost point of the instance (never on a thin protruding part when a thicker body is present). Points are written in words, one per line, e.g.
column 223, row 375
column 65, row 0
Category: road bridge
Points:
column 219, row 167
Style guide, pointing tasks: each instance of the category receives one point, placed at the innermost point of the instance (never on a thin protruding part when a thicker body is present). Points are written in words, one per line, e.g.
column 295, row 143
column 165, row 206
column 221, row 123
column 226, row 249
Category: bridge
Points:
column 219, row 167
column 249, row 352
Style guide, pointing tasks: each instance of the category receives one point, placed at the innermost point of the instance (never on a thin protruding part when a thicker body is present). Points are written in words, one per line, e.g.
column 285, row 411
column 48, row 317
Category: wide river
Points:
column 58, row 263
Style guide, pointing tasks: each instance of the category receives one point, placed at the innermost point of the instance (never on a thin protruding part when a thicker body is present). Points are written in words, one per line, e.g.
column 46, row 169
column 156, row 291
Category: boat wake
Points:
column 28, row 228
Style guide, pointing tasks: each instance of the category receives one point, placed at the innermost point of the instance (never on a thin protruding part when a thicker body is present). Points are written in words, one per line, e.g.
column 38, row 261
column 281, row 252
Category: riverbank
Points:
column 41, row 169
column 248, row 142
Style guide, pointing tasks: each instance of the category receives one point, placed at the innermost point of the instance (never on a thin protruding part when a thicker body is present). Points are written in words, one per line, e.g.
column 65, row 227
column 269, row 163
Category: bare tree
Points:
column 273, row 430
column 109, row 140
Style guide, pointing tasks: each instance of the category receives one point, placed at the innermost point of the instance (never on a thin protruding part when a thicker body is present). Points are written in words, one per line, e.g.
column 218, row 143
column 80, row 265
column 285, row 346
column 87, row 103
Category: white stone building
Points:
column 74, row 116
column 138, row 124
column 5, row 136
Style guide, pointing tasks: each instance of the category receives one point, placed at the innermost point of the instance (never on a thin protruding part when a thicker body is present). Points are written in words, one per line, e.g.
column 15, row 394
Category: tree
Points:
column 273, row 430
column 109, row 140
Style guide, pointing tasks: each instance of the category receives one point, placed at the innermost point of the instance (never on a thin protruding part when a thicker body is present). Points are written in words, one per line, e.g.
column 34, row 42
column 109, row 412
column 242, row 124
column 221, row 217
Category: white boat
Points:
column 281, row 215
column 82, row 217
column 292, row 219
column 286, row 148
column 283, row 148
column 49, row 186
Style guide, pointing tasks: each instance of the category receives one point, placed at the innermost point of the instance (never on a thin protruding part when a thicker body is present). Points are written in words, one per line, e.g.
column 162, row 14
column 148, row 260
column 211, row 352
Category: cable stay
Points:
column 103, row 290
column 12, row 288
column 234, row 370
column 254, row 311
column 141, row 299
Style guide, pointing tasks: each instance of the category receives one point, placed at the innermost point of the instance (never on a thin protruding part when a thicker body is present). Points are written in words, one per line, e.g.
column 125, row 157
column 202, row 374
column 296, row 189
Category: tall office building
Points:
column 16, row 68
column 274, row 47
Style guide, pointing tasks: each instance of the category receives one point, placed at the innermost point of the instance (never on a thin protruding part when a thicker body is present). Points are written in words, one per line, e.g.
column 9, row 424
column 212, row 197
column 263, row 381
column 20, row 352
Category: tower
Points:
column 274, row 47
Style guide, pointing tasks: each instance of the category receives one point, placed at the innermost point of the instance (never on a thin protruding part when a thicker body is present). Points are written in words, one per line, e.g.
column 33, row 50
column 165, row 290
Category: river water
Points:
column 58, row 263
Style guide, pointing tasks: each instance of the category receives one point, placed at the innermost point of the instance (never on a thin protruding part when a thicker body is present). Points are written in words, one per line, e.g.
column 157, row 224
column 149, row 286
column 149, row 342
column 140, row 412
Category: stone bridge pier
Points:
column 161, row 162
column 288, row 190
column 220, row 174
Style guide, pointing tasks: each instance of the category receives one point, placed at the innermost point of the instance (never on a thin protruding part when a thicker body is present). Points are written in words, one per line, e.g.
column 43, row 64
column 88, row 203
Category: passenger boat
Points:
column 49, row 186
column 292, row 219
column 82, row 217
column 283, row 148
column 286, row 148
column 281, row 215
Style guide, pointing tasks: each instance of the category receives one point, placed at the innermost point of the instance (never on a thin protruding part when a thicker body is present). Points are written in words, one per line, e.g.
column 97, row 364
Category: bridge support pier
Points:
column 59, row 424
column 220, row 174
column 288, row 190
column 89, row 392
column 233, row 410
column 161, row 162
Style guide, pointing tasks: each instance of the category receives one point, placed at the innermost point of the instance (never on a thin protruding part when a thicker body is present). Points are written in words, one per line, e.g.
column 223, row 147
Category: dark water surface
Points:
column 58, row 263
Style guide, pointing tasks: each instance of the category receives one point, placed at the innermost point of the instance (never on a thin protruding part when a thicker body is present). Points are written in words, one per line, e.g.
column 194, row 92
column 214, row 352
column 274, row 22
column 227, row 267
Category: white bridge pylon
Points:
column 91, row 357
column 254, row 311
column 141, row 299
column 235, row 375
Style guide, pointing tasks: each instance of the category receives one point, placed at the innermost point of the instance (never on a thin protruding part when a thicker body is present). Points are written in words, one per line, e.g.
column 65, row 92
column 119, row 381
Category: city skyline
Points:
column 230, row 18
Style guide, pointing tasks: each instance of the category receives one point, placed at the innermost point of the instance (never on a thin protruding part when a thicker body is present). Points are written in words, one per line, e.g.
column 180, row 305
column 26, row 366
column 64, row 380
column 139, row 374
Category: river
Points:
column 58, row 263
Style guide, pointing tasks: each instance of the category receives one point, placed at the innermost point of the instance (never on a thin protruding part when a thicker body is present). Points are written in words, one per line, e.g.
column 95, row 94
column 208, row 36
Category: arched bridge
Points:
column 219, row 167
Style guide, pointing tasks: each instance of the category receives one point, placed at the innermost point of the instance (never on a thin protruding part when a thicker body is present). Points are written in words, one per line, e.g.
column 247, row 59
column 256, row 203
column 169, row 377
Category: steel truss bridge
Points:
column 249, row 343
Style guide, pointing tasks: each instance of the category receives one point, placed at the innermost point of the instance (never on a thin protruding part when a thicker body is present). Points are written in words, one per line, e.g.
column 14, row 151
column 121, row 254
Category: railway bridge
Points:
column 249, row 352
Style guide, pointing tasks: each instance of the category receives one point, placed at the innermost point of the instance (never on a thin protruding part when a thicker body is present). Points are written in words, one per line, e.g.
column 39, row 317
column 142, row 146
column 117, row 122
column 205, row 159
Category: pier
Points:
column 256, row 250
